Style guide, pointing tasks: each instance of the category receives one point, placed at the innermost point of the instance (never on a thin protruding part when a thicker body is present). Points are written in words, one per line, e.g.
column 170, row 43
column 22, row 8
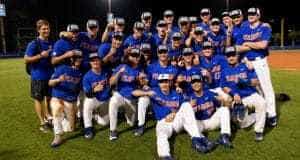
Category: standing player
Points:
column 175, row 47
column 184, row 26
column 240, row 83
column 66, row 84
column 146, row 18
column 254, row 45
column 97, row 92
column 173, row 115
column 234, row 34
column 125, row 77
column 89, row 42
column 205, row 16
column 37, row 56
column 169, row 19
column 217, row 36
column 195, row 40
column 118, row 25
column 211, row 111
column 137, row 38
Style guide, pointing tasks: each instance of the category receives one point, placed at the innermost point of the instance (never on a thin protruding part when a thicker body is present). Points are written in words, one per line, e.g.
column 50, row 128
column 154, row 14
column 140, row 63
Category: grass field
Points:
column 20, row 138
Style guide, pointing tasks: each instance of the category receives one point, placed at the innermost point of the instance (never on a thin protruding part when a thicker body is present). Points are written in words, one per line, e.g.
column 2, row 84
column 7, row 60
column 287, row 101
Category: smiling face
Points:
column 93, row 31
column 197, row 86
column 232, row 58
column 44, row 31
column 95, row 63
column 164, row 85
column 207, row 52
column 252, row 18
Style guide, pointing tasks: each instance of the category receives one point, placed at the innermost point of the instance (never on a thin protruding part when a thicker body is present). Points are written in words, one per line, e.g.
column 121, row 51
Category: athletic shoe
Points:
column 272, row 121
column 139, row 131
column 224, row 140
column 259, row 136
column 88, row 133
column 113, row 135
column 57, row 141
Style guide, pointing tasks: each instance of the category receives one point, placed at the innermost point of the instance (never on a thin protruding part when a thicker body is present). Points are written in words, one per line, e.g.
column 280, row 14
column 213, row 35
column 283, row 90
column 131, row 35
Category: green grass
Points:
column 21, row 139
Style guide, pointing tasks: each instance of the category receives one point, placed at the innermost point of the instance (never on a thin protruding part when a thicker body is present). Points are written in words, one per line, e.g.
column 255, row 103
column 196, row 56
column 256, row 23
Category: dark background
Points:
column 22, row 14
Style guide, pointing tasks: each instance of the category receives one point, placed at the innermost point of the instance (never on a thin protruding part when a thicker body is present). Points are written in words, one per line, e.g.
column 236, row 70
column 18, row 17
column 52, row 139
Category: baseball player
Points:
column 89, row 42
column 193, row 20
column 253, row 44
column 237, row 19
column 146, row 18
column 97, row 92
column 173, row 115
column 37, row 56
column 125, row 77
column 169, row 19
column 175, row 47
column 240, row 83
column 214, row 65
column 205, row 16
column 210, row 110
column 112, row 53
column 147, row 55
column 217, row 36
column 66, row 47
column 161, row 37
column 66, row 84
column 118, row 25
column 184, row 26
column 161, row 66
column 195, row 40
column 137, row 38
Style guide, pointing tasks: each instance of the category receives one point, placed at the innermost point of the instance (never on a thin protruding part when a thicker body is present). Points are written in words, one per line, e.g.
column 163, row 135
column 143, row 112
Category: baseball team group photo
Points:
column 165, row 83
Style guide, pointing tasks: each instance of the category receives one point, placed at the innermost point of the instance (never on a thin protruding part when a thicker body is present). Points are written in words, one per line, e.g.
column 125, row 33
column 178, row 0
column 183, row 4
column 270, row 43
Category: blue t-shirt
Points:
column 261, row 33
column 238, row 79
column 41, row 70
column 104, row 50
column 69, row 89
column 205, row 26
column 127, row 81
column 61, row 47
column 130, row 41
column 174, row 52
column 197, row 47
column 205, row 106
column 214, row 65
column 218, row 41
column 155, row 69
column 91, row 79
column 165, row 104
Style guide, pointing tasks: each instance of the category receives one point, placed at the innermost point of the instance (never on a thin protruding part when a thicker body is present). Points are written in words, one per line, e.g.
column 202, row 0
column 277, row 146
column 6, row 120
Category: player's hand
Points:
column 196, row 60
column 99, row 87
column 226, row 102
column 62, row 78
column 193, row 102
column 122, row 70
column 112, row 50
column 170, row 117
column 237, row 99
column 150, row 93
column 179, row 90
column 205, row 72
column 69, row 53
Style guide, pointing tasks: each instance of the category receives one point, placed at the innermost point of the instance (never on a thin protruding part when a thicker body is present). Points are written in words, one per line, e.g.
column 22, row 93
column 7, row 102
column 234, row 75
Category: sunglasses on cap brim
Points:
column 235, row 16
column 187, row 54
column 146, row 51
column 120, row 38
column 207, row 47
column 231, row 54
column 93, row 59
column 196, row 80
column 147, row 18
column 162, row 25
column 176, row 38
column 215, row 23
column 184, row 23
column 164, row 81
column 93, row 26
column 198, row 32
column 204, row 14
column 135, row 55
column 252, row 14
column 169, row 15
column 162, row 51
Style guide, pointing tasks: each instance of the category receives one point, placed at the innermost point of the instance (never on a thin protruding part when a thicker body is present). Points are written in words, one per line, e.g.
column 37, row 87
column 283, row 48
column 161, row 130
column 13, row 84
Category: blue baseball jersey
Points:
column 155, row 69
column 69, row 89
column 127, row 81
column 104, row 50
column 205, row 105
column 91, row 79
column 261, row 33
column 61, row 47
column 187, row 75
column 214, row 65
column 197, row 47
column 158, row 41
column 130, row 41
column 164, row 104
column 174, row 52
column 41, row 70
column 236, row 32
column 238, row 79
column 205, row 26
column 218, row 41
column 87, row 46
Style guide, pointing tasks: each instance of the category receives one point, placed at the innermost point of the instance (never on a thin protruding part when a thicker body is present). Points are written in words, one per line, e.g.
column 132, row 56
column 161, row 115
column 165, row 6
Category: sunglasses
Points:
column 252, row 14
column 162, row 52
column 235, row 17
column 207, row 48
column 215, row 24
column 184, row 23
column 198, row 33
column 196, row 81
column 134, row 55
column 204, row 14
column 146, row 18
column 231, row 54
column 163, row 81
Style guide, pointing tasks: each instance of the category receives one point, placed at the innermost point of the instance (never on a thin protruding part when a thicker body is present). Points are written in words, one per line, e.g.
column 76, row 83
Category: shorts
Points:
column 40, row 89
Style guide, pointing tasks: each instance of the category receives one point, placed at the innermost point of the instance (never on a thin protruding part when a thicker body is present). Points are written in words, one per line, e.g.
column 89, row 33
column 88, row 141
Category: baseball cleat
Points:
column 57, row 141
column 224, row 140
column 272, row 121
column 88, row 133
column 139, row 131
column 202, row 145
column 259, row 136
column 113, row 135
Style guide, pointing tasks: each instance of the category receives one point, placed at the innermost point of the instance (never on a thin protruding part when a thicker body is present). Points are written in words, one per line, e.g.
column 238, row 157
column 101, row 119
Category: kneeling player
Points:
column 65, row 83
column 208, row 112
column 97, row 91
column 240, row 82
column 173, row 115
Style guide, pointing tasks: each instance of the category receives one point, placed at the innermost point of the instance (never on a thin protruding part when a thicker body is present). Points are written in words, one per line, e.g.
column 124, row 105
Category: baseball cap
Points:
column 183, row 20
column 93, row 55
column 162, row 48
column 215, row 21
column 176, row 36
column 145, row 47
column 161, row 23
column 196, row 78
column 73, row 28
column 199, row 30
column 92, row 23
column 230, row 51
column 207, row 45
column 117, row 35
column 119, row 21
column 162, row 77
column 134, row 52
column 235, row 13
column 187, row 51
column 168, row 13
column 139, row 25
column 253, row 11
column 146, row 15
column 193, row 19
column 205, row 11
column 225, row 14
